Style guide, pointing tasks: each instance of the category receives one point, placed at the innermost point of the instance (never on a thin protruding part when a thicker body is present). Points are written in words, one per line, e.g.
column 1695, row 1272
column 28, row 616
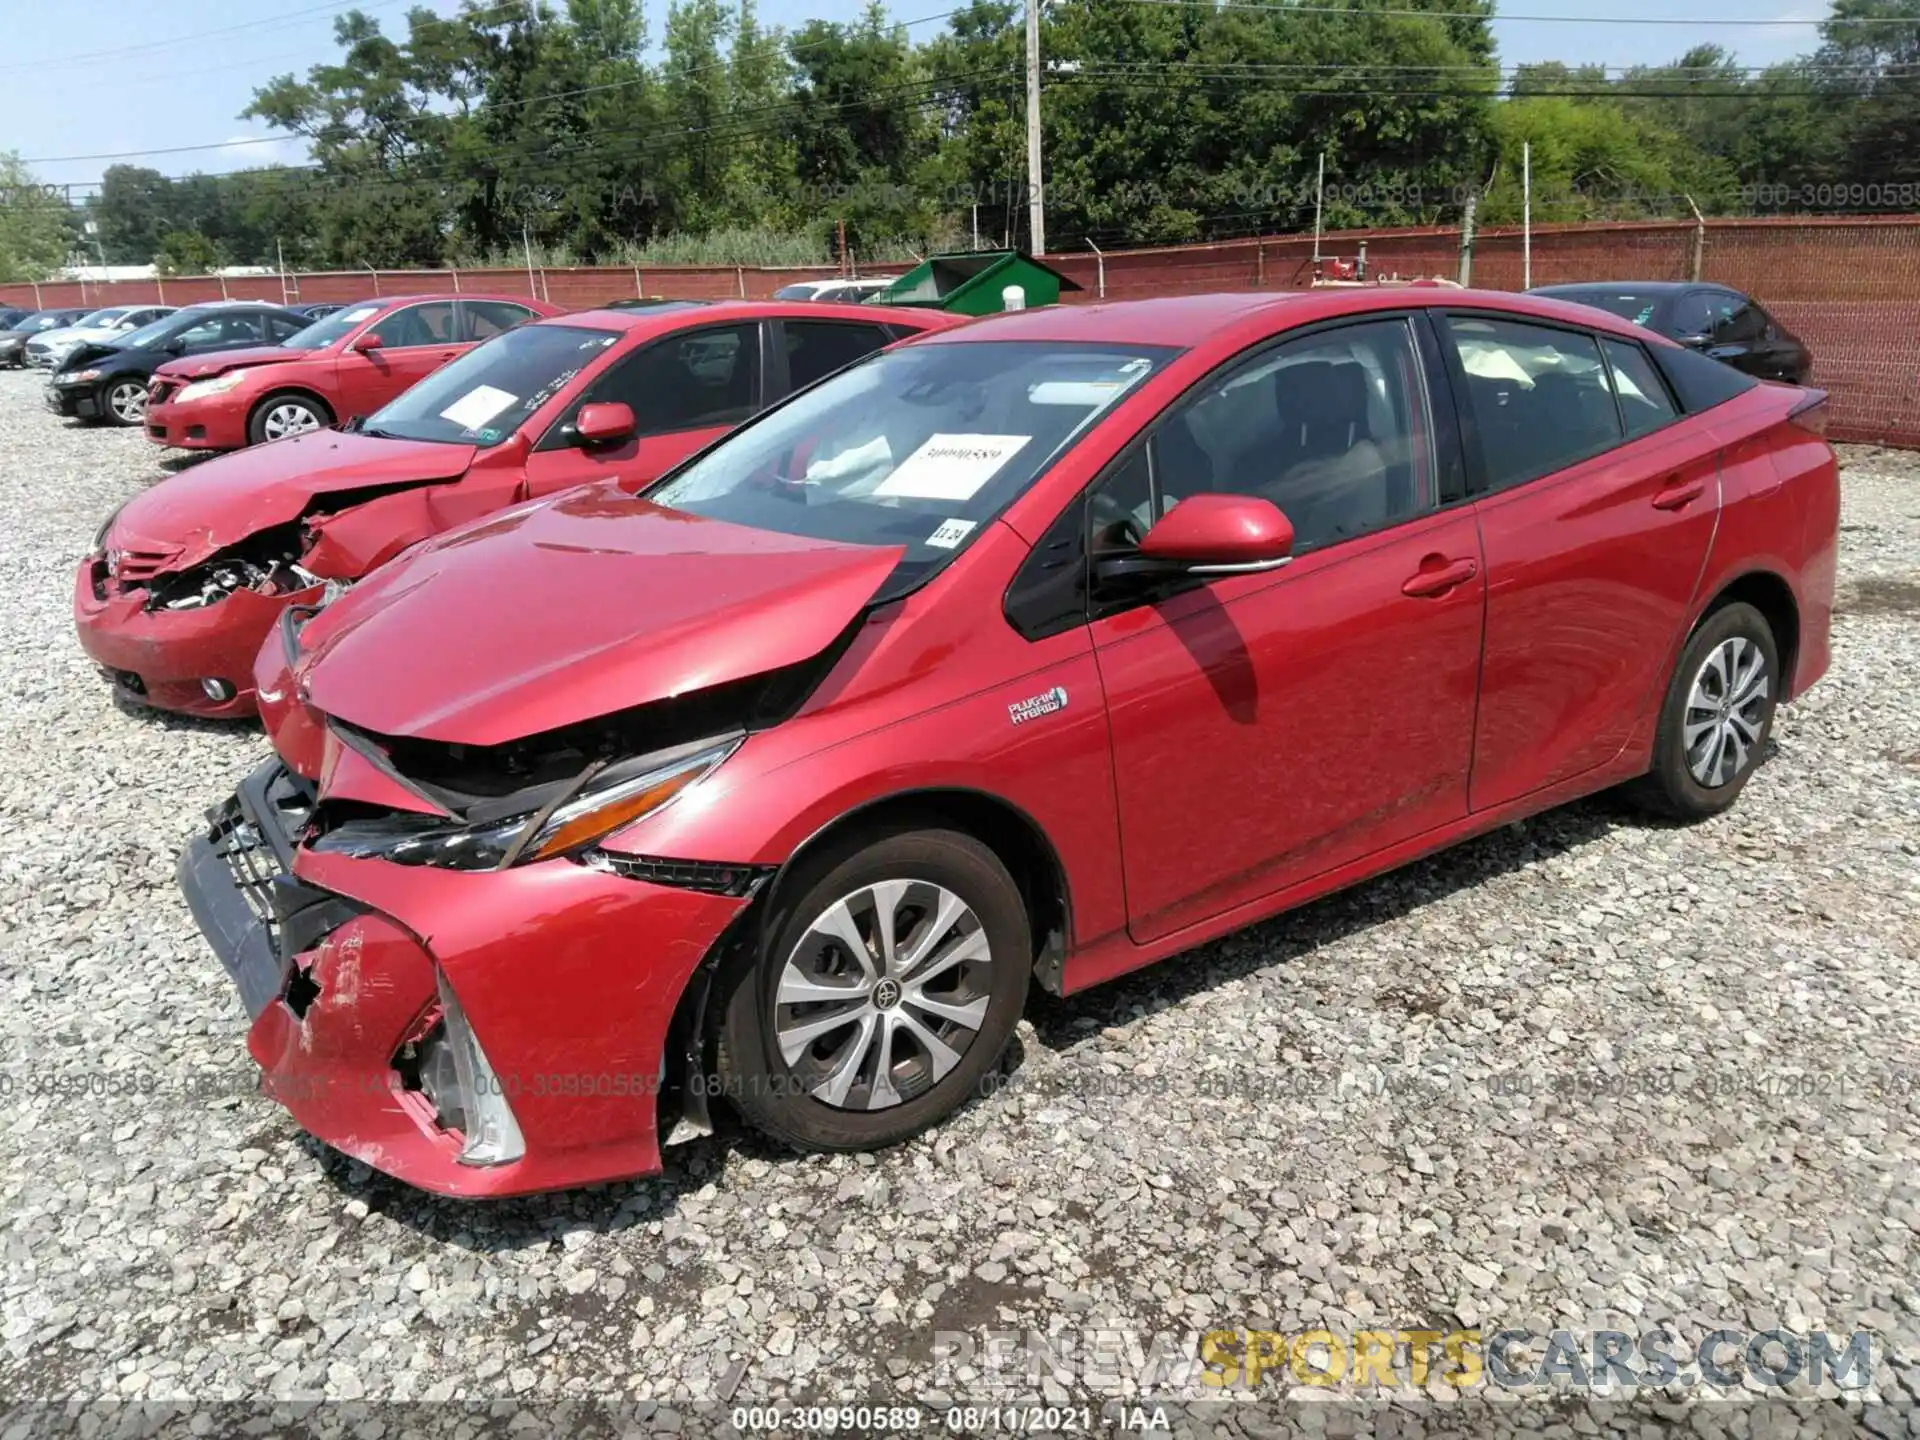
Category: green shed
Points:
column 971, row 283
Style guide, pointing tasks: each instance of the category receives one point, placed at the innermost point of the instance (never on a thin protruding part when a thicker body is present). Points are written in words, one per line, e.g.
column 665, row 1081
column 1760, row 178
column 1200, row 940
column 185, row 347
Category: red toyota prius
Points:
column 188, row 577
column 1027, row 652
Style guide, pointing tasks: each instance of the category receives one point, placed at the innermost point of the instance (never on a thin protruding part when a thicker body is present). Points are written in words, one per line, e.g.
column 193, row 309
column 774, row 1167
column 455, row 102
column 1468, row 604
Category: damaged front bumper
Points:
column 472, row 1033
column 196, row 661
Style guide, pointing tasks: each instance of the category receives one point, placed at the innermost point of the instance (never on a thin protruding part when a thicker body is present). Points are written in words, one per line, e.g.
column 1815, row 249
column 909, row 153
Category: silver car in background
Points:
column 48, row 349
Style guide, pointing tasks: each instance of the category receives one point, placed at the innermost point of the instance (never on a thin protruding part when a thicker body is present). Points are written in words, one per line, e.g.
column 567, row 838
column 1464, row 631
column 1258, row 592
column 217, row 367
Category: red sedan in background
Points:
column 350, row 363
column 188, row 577
column 1035, row 650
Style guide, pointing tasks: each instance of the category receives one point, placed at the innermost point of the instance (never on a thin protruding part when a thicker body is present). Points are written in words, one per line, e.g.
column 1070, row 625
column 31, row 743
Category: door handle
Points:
column 1436, row 579
column 1679, row 494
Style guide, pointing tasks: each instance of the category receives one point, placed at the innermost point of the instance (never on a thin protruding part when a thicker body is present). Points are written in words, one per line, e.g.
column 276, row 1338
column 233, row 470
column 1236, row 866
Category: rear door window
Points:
column 1539, row 399
column 817, row 348
column 488, row 318
column 1645, row 404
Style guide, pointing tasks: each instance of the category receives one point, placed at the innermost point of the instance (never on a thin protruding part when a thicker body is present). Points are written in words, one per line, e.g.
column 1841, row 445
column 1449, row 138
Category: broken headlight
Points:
column 100, row 535
column 595, row 803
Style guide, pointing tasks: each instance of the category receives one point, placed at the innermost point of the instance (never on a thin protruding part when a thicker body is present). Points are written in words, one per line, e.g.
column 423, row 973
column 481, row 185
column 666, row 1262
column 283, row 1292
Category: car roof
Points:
column 1189, row 320
column 1638, row 287
column 442, row 295
column 670, row 316
column 231, row 305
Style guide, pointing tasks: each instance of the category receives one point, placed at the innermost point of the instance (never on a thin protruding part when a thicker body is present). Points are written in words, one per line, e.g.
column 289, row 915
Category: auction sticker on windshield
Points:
column 951, row 467
column 478, row 406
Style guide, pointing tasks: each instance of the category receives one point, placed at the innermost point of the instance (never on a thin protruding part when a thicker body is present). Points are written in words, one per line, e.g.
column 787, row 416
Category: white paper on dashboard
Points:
column 951, row 467
column 876, row 454
column 477, row 406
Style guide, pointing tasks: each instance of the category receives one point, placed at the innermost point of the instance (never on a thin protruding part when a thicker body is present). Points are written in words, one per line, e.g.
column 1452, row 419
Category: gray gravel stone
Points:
column 1586, row 1071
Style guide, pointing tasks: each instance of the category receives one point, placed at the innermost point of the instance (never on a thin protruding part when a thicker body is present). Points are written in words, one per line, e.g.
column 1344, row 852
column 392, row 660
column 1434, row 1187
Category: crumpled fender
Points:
column 349, row 543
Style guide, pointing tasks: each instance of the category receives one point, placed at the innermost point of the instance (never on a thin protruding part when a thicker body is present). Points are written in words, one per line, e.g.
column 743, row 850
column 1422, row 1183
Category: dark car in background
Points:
column 108, row 381
column 319, row 310
column 13, row 339
column 1713, row 319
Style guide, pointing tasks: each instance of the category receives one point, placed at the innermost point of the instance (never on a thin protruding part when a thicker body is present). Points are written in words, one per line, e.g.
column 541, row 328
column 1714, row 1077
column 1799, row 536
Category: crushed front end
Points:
column 185, row 638
column 474, row 1032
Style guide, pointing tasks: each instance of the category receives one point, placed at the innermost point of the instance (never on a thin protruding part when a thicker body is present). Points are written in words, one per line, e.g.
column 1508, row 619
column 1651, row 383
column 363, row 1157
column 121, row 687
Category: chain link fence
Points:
column 1848, row 286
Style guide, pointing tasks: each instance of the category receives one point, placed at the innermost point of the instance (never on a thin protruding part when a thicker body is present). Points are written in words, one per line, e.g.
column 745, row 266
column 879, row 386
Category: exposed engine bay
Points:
column 268, row 562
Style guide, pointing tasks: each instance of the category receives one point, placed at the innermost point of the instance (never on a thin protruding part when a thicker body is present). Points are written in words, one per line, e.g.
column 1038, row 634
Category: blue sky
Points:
column 86, row 77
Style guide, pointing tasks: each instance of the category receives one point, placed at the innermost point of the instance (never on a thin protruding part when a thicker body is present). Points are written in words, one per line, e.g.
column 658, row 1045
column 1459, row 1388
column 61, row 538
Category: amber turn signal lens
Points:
column 611, row 816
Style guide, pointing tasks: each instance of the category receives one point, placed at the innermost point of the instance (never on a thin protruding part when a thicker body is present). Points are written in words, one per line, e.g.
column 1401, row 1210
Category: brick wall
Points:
column 1848, row 286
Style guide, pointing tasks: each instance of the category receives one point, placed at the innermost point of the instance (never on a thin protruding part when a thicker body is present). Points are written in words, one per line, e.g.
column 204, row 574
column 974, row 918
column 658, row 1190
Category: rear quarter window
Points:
column 1699, row 383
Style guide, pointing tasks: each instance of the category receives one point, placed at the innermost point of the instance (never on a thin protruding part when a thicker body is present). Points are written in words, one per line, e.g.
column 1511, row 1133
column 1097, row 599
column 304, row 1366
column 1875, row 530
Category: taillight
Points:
column 1810, row 414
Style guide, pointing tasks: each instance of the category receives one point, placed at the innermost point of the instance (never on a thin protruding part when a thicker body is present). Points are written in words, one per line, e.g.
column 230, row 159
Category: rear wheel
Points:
column 279, row 416
column 1716, row 718
column 124, row 402
column 895, row 971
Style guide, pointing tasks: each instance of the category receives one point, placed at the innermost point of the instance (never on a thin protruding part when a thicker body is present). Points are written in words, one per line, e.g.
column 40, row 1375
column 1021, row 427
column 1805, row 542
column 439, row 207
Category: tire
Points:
column 275, row 417
column 1692, row 783
column 831, row 1095
column 124, row 402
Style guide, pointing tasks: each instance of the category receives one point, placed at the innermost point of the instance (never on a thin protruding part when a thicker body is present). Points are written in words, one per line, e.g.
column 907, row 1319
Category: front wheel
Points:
column 1716, row 718
column 888, row 988
column 125, row 402
column 279, row 416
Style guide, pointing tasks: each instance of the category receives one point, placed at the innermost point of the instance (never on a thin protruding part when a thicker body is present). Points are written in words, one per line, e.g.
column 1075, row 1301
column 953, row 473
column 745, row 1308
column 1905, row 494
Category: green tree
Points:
column 1878, row 41
column 186, row 252
column 374, row 127
column 35, row 233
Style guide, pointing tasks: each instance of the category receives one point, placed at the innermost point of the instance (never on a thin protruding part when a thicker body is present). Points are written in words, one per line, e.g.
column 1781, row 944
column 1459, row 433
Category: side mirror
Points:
column 603, row 424
column 176, row 346
column 369, row 341
column 1210, row 535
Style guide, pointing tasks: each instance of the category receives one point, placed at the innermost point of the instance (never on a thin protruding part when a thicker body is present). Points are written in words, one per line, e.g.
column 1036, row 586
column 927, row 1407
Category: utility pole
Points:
column 1319, row 194
column 1699, row 237
column 1036, row 203
column 1526, row 216
column 1466, row 241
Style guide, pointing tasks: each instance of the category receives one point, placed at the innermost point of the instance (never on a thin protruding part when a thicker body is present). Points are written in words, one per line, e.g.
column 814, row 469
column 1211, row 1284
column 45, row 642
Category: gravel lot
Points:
column 1585, row 1072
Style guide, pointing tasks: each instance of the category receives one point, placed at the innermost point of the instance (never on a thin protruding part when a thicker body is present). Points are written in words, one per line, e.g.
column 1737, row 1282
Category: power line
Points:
column 1356, row 12
column 278, row 22
column 651, row 77
column 1128, row 80
column 747, row 122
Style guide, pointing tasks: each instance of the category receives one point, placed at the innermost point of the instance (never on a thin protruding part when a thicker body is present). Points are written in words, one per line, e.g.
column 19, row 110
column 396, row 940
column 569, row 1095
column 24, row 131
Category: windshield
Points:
column 917, row 447
column 488, row 393
column 324, row 332
column 50, row 320
column 1634, row 305
column 98, row 317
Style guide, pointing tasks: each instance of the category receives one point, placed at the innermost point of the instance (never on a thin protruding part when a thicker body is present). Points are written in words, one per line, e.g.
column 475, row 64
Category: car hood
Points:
column 89, row 350
column 573, row 608
column 199, row 367
column 65, row 334
column 205, row 509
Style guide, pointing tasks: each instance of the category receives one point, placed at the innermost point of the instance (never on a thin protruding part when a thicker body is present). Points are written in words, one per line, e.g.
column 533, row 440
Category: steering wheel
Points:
column 1115, row 521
